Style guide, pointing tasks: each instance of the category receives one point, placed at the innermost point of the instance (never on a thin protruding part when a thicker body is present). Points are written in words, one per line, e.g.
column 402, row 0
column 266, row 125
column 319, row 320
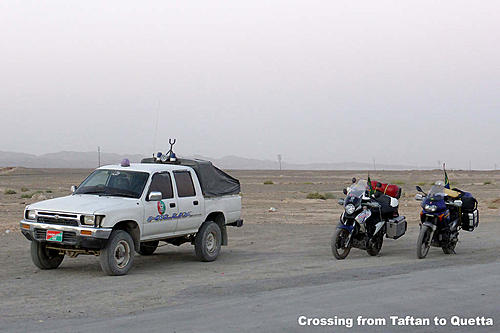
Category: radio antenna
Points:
column 156, row 125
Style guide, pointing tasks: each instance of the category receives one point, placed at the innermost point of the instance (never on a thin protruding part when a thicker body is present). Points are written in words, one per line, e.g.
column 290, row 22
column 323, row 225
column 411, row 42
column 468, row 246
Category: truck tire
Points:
column 117, row 257
column 44, row 258
column 208, row 241
column 147, row 248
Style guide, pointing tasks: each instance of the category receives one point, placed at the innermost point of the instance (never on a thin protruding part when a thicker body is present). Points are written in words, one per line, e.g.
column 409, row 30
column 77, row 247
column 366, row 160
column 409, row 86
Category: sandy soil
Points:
column 273, row 250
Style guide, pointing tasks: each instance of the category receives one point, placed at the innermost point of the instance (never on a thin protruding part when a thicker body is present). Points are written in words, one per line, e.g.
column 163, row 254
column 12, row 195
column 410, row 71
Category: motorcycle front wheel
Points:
column 339, row 239
column 423, row 242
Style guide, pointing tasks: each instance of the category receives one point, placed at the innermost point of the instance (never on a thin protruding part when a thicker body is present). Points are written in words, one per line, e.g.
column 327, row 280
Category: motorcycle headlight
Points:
column 430, row 208
column 349, row 209
column 88, row 220
column 30, row 215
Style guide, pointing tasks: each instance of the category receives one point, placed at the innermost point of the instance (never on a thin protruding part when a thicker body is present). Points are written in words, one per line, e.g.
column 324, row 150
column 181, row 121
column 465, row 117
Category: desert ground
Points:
column 281, row 253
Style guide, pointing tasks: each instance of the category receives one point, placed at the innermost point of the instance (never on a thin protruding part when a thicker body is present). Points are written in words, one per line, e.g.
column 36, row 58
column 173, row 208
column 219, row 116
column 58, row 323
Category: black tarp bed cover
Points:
column 214, row 182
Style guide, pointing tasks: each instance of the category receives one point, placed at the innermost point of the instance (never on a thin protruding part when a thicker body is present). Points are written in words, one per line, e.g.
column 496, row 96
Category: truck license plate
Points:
column 54, row 236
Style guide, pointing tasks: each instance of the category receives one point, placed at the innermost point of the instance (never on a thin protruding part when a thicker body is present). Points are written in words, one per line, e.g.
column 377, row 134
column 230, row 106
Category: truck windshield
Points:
column 114, row 183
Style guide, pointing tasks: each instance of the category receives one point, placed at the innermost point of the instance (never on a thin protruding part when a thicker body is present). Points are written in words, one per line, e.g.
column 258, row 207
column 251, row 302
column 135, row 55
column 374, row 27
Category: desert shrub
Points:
column 316, row 195
column 48, row 191
column 9, row 192
column 329, row 195
column 24, row 189
column 487, row 182
column 308, row 183
column 421, row 183
column 26, row 196
column 398, row 182
column 492, row 206
column 268, row 182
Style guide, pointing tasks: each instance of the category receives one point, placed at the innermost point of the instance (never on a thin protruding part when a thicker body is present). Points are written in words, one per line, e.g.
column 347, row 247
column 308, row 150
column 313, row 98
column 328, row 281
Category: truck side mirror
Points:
column 419, row 189
column 155, row 196
column 73, row 188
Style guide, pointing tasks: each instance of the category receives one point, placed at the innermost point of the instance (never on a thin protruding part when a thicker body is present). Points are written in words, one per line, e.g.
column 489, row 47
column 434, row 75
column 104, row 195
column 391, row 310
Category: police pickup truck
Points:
column 122, row 209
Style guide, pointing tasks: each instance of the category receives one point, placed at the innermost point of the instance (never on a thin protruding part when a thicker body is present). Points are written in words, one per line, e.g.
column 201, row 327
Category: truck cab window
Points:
column 162, row 182
column 185, row 186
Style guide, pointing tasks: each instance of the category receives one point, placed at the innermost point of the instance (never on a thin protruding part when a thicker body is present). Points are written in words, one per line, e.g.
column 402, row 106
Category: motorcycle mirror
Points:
column 353, row 180
column 419, row 197
column 344, row 191
column 419, row 189
column 341, row 202
column 73, row 188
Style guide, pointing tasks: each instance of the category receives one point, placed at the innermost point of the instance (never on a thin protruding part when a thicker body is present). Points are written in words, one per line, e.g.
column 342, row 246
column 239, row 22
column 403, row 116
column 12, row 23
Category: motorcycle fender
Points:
column 378, row 226
column 349, row 228
column 430, row 225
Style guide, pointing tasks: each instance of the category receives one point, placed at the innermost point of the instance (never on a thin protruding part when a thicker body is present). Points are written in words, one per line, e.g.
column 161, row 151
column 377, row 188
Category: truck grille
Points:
column 59, row 219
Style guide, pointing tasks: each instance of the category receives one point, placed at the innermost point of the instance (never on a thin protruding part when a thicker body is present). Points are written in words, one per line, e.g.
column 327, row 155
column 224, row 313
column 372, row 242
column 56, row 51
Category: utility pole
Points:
column 279, row 160
column 98, row 156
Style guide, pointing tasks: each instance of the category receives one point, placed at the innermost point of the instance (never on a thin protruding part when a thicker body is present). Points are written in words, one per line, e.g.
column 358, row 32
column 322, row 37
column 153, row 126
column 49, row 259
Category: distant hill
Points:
column 71, row 159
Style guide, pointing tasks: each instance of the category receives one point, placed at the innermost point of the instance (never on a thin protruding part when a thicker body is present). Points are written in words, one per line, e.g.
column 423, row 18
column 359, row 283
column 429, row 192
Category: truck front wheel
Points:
column 44, row 258
column 117, row 256
column 208, row 241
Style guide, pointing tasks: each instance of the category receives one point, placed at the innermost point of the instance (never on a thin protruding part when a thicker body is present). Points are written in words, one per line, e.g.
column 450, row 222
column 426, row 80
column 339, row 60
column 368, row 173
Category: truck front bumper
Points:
column 74, row 237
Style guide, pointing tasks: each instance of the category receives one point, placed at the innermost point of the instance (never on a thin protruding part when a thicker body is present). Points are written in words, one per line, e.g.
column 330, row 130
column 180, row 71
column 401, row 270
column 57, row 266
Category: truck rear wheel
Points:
column 117, row 256
column 44, row 258
column 208, row 241
column 148, row 248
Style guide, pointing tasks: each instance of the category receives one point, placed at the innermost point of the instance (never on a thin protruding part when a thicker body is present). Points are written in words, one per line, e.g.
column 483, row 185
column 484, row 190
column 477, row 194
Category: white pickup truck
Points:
column 121, row 209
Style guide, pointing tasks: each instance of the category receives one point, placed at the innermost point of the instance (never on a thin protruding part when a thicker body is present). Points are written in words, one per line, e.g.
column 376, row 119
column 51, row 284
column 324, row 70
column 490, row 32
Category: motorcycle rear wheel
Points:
column 374, row 249
column 423, row 242
column 450, row 248
column 339, row 238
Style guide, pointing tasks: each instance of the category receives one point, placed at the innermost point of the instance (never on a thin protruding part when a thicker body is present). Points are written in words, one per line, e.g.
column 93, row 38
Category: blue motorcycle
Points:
column 439, row 219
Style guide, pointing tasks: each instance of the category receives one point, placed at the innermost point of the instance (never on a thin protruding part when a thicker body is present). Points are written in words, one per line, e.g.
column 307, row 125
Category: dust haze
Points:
column 412, row 82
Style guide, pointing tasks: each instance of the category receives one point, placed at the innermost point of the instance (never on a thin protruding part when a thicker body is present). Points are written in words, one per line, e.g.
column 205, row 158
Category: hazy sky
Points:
column 406, row 82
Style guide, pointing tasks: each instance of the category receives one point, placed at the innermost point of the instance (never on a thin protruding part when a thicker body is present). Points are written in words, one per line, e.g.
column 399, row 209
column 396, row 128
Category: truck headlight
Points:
column 92, row 220
column 88, row 220
column 349, row 209
column 30, row 215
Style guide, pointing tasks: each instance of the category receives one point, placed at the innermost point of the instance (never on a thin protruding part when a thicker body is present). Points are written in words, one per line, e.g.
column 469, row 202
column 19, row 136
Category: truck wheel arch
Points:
column 220, row 219
column 132, row 228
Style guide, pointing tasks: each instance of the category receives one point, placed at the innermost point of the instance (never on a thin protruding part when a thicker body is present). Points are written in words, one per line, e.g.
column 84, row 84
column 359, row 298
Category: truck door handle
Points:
column 172, row 204
column 195, row 202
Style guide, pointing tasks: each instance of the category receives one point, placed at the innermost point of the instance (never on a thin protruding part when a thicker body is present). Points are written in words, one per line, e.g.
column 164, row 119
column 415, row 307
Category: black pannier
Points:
column 470, row 213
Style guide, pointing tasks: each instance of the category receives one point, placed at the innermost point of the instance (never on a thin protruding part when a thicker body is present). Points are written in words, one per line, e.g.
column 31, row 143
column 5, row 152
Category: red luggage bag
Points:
column 388, row 189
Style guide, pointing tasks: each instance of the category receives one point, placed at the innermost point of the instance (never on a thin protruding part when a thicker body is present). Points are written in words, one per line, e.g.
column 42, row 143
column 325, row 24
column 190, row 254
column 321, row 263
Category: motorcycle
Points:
column 367, row 217
column 440, row 219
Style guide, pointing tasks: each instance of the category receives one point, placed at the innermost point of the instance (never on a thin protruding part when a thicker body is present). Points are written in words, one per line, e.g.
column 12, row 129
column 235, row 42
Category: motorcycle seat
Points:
column 387, row 204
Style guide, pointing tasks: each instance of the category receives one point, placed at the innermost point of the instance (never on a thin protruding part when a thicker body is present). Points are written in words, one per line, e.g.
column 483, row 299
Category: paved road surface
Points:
column 467, row 290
